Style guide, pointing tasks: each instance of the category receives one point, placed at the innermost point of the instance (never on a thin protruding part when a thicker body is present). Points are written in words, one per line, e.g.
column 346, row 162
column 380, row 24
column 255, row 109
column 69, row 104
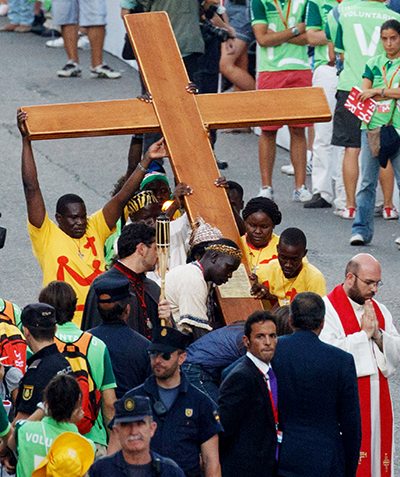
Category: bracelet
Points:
column 383, row 92
column 141, row 168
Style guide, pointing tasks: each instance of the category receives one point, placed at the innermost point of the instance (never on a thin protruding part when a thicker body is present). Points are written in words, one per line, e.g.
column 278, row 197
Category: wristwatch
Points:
column 295, row 31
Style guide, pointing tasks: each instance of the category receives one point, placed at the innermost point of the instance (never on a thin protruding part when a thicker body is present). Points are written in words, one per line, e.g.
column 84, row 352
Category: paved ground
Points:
column 90, row 167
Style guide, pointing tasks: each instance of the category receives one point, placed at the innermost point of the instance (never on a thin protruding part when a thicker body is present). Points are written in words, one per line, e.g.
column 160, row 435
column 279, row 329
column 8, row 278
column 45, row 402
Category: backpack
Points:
column 76, row 354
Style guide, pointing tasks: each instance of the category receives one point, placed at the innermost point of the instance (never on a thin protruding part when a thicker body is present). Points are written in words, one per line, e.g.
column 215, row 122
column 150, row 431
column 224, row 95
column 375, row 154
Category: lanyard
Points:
column 198, row 264
column 279, row 10
column 391, row 81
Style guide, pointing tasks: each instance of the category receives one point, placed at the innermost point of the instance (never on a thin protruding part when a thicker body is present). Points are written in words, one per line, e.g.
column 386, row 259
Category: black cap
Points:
column 39, row 314
column 132, row 409
column 112, row 289
column 168, row 340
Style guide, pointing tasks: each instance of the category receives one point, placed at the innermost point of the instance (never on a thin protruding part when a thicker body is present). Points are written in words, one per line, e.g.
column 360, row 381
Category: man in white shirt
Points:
column 360, row 325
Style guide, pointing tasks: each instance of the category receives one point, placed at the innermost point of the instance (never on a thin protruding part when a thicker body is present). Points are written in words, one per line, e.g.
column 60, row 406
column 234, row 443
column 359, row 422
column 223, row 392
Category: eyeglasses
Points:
column 166, row 356
column 370, row 282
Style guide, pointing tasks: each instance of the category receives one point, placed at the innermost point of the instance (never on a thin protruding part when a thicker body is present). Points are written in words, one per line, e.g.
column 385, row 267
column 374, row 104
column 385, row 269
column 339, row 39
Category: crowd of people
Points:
column 108, row 374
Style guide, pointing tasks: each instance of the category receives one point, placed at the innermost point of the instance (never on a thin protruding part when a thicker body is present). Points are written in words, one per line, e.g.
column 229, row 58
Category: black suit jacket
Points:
column 248, row 443
column 319, row 409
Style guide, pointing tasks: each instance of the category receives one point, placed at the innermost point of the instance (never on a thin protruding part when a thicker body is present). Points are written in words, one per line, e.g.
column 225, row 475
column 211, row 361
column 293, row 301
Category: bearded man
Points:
column 364, row 327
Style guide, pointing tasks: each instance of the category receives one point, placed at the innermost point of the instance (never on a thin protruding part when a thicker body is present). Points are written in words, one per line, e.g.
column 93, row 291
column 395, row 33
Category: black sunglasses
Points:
column 166, row 356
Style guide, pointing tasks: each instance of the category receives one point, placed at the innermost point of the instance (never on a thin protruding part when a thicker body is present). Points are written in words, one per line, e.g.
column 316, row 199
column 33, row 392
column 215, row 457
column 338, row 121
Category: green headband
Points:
column 153, row 177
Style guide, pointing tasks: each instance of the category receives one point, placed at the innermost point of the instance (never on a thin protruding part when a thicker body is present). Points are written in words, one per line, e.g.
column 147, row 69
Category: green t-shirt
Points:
column 355, row 28
column 34, row 439
column 384, row 109
column 101, row 368
column 286, row 56
column 317, row 12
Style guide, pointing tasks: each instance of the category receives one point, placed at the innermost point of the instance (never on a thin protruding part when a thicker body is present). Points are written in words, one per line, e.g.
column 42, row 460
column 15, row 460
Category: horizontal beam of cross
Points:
column 218, row 111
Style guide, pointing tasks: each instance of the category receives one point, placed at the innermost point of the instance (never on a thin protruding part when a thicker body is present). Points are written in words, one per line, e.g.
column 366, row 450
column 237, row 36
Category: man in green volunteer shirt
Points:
column 63, row 298
column 354, row 27
column 283, row 63
column 325, row 77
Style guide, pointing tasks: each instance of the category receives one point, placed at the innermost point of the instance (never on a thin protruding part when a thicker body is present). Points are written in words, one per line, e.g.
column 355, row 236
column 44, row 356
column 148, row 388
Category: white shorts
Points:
column 82, row 12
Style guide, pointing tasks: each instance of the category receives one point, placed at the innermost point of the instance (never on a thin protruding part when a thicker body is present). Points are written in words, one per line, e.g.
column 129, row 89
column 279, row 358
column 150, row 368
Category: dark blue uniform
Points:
column 128, row 352
column 192, row 420
column 42, row 366
column 115, row 465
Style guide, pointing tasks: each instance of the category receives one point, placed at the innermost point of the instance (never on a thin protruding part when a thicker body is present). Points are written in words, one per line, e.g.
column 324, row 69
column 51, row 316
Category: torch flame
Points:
column 166, row 205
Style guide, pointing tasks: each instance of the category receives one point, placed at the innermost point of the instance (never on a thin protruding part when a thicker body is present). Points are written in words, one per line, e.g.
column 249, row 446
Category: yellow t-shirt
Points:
column 75, row 261
column 309, row 279
column 258, row 258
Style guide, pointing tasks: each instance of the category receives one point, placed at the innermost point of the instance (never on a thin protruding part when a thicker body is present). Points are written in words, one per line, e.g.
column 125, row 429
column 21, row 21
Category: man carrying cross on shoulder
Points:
column 74, row 251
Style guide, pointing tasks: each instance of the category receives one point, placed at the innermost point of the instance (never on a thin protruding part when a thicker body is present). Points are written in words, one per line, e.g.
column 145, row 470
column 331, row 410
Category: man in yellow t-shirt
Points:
column 73, row 251
column 290, row 273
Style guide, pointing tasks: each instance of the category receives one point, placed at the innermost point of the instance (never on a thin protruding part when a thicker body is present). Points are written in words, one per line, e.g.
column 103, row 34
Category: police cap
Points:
column 39, row 315
column 132, row 409
column 112, row 289
column 168, row 340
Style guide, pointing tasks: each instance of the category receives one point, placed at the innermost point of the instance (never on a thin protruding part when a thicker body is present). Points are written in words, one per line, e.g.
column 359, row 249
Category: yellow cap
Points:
column 70, row 455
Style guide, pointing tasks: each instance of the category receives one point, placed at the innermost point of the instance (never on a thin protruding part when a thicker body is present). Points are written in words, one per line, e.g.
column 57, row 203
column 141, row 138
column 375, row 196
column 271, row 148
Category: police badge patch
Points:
column 27, row 392
column 188, row 412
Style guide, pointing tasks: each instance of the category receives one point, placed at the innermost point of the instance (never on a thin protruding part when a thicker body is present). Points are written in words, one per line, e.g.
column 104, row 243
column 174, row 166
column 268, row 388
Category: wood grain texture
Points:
column 218, row 111
column 191, row 155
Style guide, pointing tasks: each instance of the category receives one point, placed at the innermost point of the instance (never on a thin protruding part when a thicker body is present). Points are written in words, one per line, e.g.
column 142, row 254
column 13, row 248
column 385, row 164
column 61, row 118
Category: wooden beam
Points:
column 218, row 111
column 182, row 126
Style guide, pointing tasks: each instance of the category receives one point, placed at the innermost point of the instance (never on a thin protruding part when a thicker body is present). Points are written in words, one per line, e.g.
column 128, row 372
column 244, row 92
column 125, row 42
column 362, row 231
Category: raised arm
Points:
column 113, row 209
column 33, row 194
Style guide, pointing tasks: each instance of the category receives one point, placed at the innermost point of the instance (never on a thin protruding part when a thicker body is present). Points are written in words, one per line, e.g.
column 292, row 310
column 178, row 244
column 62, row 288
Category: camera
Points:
column 207, row 27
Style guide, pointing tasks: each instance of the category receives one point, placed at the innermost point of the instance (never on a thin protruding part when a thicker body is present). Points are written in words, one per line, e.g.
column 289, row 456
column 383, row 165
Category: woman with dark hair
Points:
column 260, row 215
column 380, row 82
column 33, row 439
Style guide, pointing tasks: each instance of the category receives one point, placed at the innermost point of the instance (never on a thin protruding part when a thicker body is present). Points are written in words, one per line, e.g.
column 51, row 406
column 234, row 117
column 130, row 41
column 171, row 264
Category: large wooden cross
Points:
column 183, row 120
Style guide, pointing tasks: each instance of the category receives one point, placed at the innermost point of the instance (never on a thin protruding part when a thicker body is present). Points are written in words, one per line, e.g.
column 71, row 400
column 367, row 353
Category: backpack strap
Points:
column 83, row 342
column 7, row 312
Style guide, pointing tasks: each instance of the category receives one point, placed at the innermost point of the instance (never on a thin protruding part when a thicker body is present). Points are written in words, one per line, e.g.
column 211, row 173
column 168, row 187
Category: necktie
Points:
column 273, row 386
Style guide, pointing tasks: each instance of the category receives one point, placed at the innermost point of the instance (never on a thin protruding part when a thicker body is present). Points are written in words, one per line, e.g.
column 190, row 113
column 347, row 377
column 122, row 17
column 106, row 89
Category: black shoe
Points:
column 317, row 202
column 50, row 33
column 222, row 165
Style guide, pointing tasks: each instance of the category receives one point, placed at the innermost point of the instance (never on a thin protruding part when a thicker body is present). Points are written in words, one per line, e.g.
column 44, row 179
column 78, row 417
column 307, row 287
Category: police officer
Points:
column 128, row 349
column 134, row 427
column 187, row 420
column 39, row 327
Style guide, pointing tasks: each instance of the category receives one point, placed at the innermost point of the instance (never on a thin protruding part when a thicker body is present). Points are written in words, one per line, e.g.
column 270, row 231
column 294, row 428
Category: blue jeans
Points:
column 201, row 380
column 364, row 222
